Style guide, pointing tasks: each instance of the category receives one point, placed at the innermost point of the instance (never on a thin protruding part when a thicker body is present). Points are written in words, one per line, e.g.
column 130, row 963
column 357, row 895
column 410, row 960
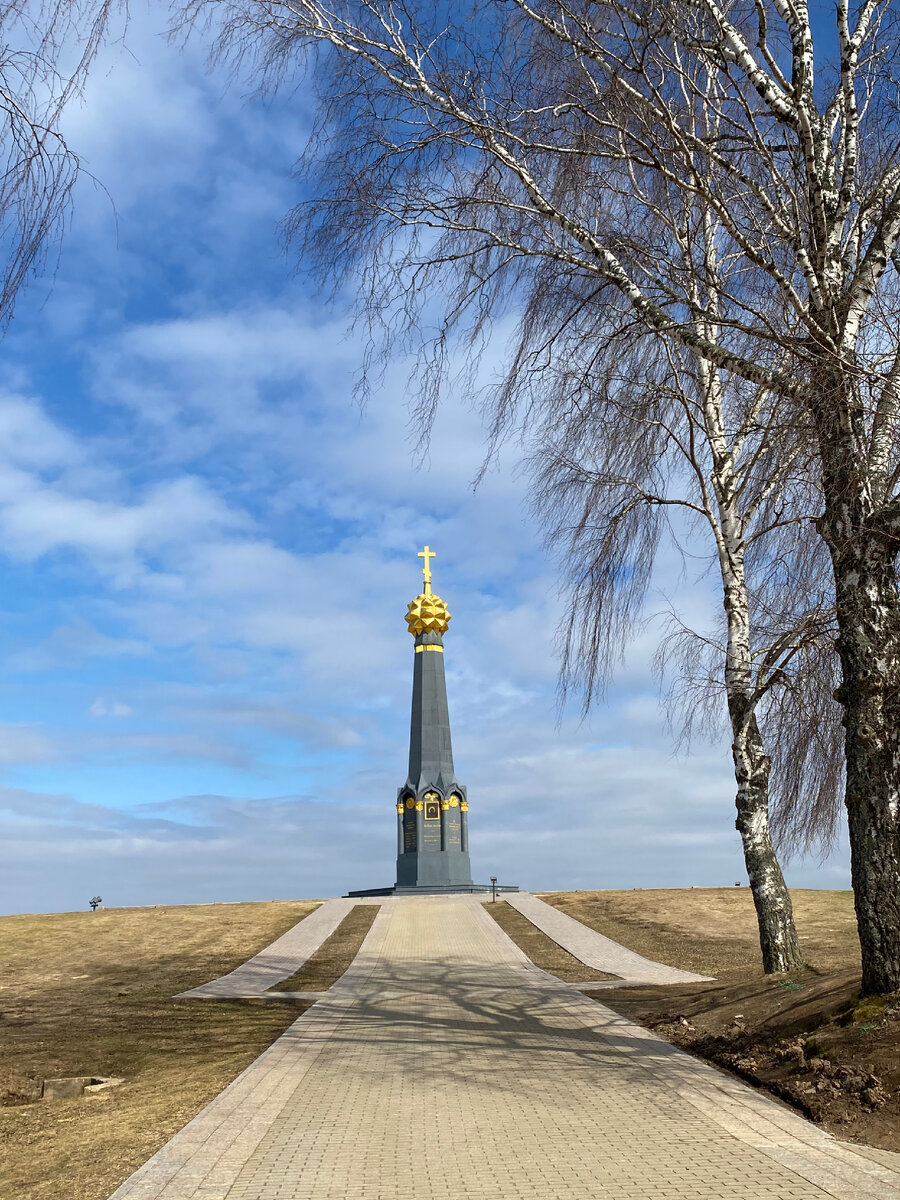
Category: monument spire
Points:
column 432, row 809
column 432, row 805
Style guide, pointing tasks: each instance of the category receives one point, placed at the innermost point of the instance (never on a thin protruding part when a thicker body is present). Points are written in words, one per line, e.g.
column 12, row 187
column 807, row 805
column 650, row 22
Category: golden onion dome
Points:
column 427, row 614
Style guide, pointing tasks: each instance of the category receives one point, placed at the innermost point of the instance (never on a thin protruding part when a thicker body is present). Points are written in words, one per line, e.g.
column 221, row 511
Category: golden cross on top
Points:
column 428, row 555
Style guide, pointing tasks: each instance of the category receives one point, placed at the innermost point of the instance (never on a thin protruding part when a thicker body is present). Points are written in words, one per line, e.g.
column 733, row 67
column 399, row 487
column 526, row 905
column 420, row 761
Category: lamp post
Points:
column 493, row 889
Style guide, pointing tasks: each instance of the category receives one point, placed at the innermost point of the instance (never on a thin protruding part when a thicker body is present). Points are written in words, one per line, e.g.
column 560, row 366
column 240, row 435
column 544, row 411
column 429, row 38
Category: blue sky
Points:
column 208, row 551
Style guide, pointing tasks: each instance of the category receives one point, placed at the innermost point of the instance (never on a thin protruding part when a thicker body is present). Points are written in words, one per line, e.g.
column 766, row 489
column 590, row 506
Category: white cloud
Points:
column 25, row 744
column 45, row 507
column 110, row 708
column 29, row 439
column 75, row 642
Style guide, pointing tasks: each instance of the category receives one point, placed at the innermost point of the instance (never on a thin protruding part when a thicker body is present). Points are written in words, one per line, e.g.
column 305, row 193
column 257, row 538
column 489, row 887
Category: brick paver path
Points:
column 445, row 1066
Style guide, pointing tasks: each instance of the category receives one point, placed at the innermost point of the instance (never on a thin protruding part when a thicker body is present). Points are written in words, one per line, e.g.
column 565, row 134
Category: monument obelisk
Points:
column 432, row 808
column 432, row 805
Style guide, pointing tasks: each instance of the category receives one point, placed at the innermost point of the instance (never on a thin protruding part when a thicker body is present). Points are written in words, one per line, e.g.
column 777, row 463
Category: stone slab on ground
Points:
column 279, row 960
column 445, row 1066
column 887, row 1158
column 592, row 948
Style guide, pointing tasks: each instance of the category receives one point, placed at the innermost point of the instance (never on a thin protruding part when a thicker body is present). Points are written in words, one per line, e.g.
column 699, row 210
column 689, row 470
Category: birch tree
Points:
column 613, row 458
column 459, row 151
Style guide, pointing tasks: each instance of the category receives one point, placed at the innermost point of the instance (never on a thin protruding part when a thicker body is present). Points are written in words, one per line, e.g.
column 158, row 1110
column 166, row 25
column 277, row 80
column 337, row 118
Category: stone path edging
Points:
column 592, row 948
column 779, row 1132
column 204, row 1158
column 282, row 958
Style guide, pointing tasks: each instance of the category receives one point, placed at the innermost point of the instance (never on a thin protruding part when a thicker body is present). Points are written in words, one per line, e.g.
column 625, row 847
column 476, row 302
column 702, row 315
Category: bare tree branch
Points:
column 47, row 49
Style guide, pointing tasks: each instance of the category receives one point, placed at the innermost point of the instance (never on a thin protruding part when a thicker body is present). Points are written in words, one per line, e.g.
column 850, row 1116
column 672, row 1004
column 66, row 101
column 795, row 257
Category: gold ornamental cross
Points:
column 428, row 555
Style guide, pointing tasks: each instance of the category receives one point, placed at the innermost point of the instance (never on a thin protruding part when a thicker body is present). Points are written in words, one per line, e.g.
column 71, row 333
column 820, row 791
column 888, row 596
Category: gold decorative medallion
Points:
column 410, row 803
column 454, row 801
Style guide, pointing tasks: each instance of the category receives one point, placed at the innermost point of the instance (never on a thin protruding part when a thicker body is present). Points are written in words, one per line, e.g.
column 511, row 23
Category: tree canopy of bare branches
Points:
column 47, row 49
column 645, row 429
column 464, row 153
column 615, row 456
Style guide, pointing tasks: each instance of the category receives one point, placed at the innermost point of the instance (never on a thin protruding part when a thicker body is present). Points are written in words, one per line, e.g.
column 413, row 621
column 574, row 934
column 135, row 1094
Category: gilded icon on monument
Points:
column 432, row 810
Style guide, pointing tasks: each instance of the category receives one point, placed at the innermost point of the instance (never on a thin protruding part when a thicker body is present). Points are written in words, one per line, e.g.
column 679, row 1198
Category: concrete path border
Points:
column 779, row 1132
column 203, row 1159
column 592, row 948
column 282, row 958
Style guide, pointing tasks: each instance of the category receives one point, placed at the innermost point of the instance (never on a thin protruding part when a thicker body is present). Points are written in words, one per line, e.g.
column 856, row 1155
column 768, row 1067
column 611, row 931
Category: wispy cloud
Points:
column 110, row 708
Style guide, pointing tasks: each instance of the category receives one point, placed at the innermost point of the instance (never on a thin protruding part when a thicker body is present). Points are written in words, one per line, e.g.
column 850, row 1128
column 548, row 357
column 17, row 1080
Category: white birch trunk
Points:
column 778, row 938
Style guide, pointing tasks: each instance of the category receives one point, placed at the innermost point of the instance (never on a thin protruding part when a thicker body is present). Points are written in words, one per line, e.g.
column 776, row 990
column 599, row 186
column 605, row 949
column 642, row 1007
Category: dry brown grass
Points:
column 713, row 930
column 335, row 955
column 542, row 950
column 90, row 994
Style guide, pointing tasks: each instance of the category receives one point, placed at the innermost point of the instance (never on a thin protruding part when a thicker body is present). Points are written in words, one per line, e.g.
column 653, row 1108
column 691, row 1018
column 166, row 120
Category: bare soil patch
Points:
column 542, row 950
column 805, row 1037
column 324, row 968
column 91, row 994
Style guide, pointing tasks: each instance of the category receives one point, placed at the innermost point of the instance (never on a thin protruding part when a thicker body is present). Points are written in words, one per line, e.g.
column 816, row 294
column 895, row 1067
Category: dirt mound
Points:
column 806, row 1039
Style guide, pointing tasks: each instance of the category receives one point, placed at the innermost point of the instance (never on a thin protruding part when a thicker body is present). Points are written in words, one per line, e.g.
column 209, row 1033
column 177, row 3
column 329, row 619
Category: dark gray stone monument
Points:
column 432, row 805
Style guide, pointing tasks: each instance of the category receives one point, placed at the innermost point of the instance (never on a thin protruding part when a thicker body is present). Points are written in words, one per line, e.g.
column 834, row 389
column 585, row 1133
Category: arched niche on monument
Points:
column 452, row 821
column 432, row 838
column 409, row 823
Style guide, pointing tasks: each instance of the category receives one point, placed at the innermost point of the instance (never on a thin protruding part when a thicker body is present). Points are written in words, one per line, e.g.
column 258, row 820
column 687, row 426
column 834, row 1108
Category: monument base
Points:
column 450, row 889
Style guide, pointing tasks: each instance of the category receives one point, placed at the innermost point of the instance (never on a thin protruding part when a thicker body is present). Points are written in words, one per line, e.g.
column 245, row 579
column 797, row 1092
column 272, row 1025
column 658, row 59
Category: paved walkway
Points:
column 592, row 948
column 445, row 1066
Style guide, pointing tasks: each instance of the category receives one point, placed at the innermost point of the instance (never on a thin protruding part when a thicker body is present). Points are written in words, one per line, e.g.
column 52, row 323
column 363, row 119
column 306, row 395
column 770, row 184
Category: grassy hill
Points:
column 91, row 994
column 713, row 931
